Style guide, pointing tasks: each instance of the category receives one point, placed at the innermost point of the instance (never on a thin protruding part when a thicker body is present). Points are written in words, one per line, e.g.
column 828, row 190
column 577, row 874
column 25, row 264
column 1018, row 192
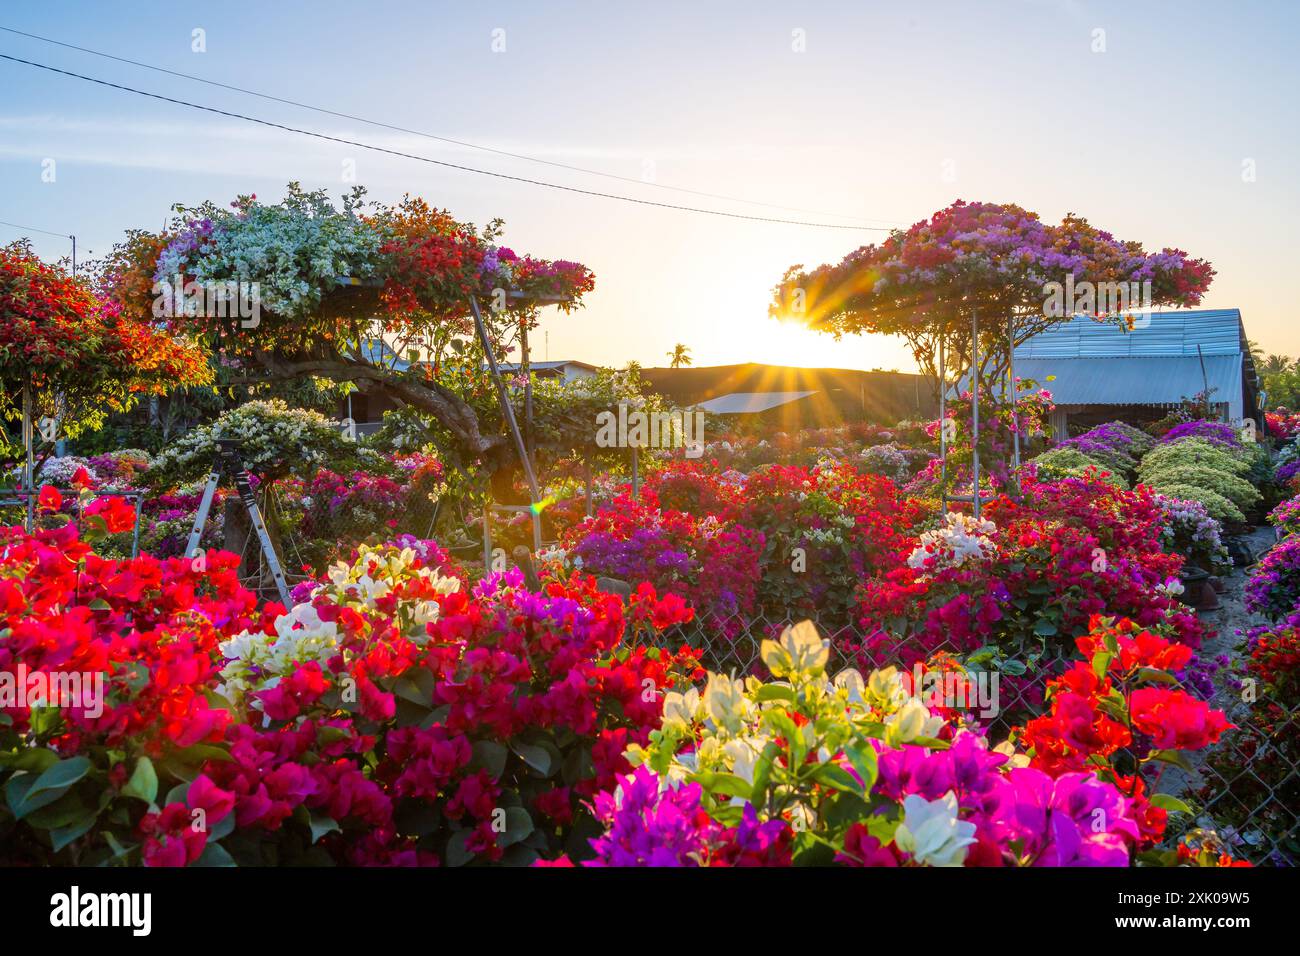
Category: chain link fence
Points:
column 1246, row 787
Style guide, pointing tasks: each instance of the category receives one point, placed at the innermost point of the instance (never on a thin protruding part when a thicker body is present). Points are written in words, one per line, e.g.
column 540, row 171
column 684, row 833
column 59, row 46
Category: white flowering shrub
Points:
column 274, row 439
column 958, row 540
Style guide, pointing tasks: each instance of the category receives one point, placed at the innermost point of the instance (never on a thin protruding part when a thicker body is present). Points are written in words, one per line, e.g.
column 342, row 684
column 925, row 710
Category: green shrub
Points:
column 1237, row 490
column 1191, row 451
column 1072, row 463
column 1220, row 508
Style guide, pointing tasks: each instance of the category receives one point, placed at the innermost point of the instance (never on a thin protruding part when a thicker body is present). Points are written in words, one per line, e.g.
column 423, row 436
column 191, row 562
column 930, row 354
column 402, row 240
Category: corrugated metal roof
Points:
column 1216, row 331
column 548, row 365
column 747, row 403
column 1133, row 380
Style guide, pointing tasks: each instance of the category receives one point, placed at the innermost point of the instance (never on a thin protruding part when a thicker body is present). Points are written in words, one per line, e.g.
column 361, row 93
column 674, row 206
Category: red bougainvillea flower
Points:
column 118, row 516
column 49, row 499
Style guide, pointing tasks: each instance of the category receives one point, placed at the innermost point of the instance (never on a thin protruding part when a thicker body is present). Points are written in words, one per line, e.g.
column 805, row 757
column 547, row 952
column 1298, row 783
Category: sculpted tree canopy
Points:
column 998, row 260
column 81, row 357
column 364, row 292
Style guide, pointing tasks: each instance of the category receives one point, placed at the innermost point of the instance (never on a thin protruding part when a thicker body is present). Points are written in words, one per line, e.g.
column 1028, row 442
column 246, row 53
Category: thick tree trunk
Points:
column 441, row 403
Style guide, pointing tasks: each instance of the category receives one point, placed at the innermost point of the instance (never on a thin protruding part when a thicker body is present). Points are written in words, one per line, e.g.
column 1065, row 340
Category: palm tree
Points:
column 679, row 356
column 1274, row 365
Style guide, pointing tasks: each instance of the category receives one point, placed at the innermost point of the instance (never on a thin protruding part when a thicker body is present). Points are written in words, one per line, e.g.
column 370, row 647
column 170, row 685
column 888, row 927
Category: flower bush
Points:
column 824, row 530
column 1188, row 529
column 391, row 717
column 712, row 563
column 1216, row 433
column 805, row 769
column 1191, row 452
column 274, row 440
column 1224, row 484
column 1048, row 562
column 1259, row 804
column 81, row 356
column 1274, row 585
column 1286, row 517
column 1216, row 506
column 1073, row 462
column 1115, row 445
column 1282, row 423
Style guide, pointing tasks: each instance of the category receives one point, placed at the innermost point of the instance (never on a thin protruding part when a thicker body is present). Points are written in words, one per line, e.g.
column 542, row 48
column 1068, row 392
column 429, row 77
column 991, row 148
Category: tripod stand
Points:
column 229, row 458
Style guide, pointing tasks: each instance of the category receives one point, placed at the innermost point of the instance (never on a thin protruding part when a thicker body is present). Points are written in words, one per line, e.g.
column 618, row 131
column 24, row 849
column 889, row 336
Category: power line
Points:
column 426, row 135
column 437, row 162
column 34, row 229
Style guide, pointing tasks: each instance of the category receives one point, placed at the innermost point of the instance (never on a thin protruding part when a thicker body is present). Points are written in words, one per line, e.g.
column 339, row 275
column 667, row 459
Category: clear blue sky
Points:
column 892, row 111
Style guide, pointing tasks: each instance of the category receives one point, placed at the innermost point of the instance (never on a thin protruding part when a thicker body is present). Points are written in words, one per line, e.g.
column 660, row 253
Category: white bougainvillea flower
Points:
column 800, row 651
column 931, row 832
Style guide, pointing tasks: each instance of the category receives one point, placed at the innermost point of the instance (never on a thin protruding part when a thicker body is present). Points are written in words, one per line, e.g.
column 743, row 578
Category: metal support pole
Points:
column 586, row 475
column 135, row 534
column 506, row 408
column 29, row 468
column 943, row 420
column 975, row 411
column 487, row 539
column 1015, row 399
column 636, row 475
column 525, row 366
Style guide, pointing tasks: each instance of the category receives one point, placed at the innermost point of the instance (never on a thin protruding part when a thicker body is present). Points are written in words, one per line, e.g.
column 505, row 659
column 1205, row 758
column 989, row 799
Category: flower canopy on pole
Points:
column 77, row 351
column 311, row 289
column 995, row 258
column 997, row 262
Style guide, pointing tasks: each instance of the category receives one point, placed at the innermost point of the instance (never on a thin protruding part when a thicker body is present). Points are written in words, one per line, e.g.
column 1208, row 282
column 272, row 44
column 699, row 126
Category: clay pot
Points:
column 1194, row 580
column 1209, row 598
column 1218, row 584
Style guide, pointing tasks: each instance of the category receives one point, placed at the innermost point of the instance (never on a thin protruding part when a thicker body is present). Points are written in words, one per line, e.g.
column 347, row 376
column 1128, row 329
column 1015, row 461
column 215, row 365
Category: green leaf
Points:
column 864, row 762
column 66, row 810
column 835, row 776
column 536, row 757
column 1101, row 663
column 214, row 854
column 774, row 692
column 1045, row 628
column 728, row 784
column 1156, row 676
column 144, row 781
column 1175, row 757
column 457, row 853
column 763, row 773
column 321, row 825
column 59, row 777
column 177, row 794
column 64, row 835
column 519, row 825
column 1171, row 803
column 34, row 760
column 491, row 756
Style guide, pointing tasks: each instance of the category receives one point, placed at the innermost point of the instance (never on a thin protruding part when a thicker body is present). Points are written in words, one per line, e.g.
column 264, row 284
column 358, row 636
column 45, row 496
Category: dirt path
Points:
column 1227, row 624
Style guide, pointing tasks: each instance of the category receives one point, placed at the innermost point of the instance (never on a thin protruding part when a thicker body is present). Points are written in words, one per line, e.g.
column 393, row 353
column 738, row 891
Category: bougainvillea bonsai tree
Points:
column 366, row 293
column 998, row 261
column 79, row 356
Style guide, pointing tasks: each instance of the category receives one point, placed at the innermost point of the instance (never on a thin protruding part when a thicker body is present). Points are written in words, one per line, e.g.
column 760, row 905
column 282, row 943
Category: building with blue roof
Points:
column 1102, row 372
